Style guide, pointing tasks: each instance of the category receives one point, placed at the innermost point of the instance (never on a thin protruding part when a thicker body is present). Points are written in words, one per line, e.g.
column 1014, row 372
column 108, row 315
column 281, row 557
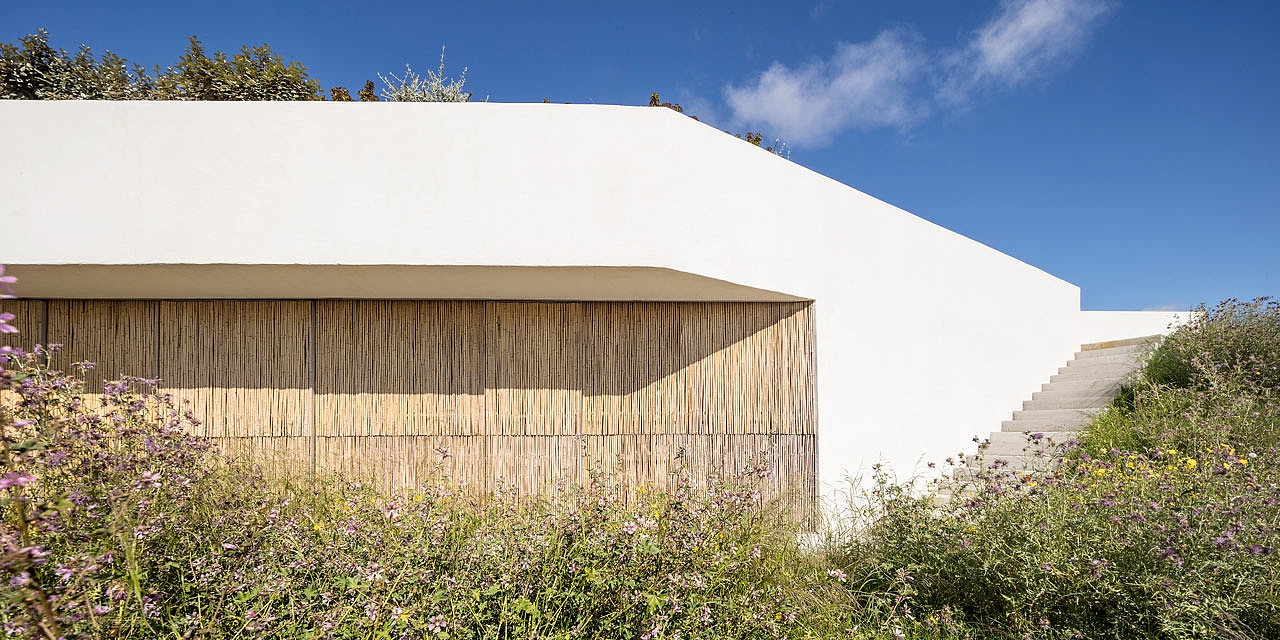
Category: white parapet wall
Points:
column 1102, row 326
column 924, row 337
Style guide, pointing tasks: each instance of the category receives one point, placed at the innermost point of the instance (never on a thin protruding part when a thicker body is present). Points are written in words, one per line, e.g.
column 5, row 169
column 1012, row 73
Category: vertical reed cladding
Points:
column 244, row 368
column 522, row 394
column 119, row 337
column 396, row 381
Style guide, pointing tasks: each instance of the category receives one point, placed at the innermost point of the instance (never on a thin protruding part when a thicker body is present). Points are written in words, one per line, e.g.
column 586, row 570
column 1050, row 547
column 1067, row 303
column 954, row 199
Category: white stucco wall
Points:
column 1101, row 326
column 925, row 337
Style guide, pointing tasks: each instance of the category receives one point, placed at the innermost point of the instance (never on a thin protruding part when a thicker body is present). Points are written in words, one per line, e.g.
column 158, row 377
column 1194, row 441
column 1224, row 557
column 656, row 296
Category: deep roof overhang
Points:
column 300, row 281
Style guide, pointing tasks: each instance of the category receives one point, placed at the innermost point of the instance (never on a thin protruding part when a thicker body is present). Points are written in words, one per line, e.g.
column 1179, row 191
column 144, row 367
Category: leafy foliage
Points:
column 368, row 94
column 33, row 70
column 254, row 73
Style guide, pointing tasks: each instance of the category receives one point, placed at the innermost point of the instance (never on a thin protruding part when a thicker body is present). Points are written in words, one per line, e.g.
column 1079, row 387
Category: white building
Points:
column 921, row 337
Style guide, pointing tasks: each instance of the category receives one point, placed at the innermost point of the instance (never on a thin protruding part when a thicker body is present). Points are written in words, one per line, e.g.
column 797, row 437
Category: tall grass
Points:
column 1161, row 522
column 133, row 528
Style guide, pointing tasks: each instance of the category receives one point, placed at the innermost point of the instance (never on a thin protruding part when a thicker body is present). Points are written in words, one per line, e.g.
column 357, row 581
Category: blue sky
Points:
column 1128, row 147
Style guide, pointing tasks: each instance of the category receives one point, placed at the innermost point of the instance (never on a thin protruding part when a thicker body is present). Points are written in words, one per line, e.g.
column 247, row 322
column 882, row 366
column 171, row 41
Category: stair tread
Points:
column 1057, row 413
column 1123, row 342
column 1069, row 403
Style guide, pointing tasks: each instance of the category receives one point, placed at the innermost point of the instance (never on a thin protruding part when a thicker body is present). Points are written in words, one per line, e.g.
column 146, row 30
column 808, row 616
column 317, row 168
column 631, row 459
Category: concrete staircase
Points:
column 1062, row 407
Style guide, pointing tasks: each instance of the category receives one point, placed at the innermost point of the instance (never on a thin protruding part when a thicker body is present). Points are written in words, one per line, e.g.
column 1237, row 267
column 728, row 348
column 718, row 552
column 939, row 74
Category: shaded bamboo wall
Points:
column 526, row 394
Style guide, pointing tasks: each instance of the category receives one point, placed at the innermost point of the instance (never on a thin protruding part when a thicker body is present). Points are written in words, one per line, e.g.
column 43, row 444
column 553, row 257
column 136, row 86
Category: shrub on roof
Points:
column 33, row 70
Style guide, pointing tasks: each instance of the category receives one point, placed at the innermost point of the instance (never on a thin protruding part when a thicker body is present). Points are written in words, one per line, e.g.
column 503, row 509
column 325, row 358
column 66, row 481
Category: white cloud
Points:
column 1023, row 41
column 863, row 85
column 882, row 82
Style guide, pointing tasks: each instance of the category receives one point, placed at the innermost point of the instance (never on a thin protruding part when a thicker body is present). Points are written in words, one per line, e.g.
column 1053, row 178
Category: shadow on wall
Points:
column 432, row 347
column 460, row 367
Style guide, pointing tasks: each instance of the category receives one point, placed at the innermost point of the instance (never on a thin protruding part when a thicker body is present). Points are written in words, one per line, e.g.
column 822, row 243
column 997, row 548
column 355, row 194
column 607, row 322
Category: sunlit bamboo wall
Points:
column 527, row 394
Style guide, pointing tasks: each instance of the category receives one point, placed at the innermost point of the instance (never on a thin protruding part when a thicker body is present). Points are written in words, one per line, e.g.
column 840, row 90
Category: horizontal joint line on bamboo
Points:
column 539, row 435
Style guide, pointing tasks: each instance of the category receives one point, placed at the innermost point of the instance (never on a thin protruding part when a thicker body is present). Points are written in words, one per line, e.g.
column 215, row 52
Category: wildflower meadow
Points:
column 1161, row 521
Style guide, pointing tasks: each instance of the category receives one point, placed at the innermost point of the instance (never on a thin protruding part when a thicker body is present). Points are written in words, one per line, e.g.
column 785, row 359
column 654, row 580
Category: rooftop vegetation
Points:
column 33, row 69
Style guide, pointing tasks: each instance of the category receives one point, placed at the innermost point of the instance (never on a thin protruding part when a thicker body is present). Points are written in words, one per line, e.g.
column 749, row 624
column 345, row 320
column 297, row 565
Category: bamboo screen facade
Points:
column 527, row 394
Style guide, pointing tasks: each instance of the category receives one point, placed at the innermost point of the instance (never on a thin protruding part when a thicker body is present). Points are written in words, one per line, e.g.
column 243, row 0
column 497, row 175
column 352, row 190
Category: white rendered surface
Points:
column 925, row 337
column 1101, row 326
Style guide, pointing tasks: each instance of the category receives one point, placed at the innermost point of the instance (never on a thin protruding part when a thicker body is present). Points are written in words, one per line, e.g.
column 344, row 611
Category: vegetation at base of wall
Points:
column 120, row 524
column 1162, row 521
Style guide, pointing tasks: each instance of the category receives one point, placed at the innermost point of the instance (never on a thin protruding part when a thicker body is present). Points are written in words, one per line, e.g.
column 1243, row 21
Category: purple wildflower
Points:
column 15, row 479
column 437, row 624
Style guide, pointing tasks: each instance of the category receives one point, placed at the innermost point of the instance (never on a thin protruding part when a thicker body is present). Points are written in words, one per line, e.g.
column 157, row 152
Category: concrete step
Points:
column 1114, row 374
column 1130, row 359
column 1047, row 423
column 1101, row 366
column 1019, row 443
column 1129, row 350
column 965, row 473
column 1113, row 351
column 1042, row 426
column 1025, row 463
column 1066, row 402
column 1055, row 414
column 1071, row 394
column 1121, row 343
column 1086, row 387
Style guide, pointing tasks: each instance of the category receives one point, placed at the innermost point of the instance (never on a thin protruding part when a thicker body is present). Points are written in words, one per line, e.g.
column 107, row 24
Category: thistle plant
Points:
column 435, row 87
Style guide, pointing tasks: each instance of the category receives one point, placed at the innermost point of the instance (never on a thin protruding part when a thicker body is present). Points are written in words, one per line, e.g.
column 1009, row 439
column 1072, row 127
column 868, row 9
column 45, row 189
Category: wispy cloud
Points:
column 893, row 81
column 863, row 85
column 1024, row 40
